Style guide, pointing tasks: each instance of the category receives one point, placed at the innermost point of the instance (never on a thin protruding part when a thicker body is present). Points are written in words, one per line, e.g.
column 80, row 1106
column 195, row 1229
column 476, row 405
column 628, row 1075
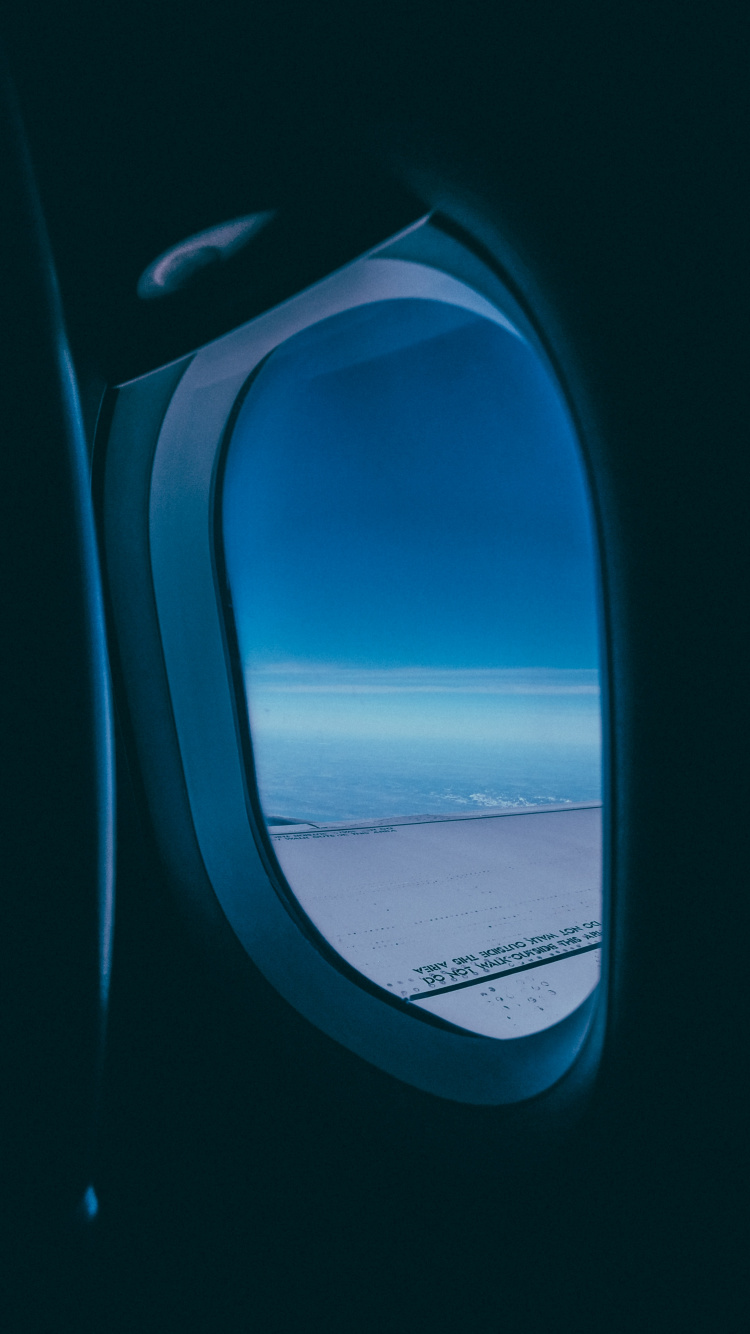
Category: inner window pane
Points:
column 412, row 575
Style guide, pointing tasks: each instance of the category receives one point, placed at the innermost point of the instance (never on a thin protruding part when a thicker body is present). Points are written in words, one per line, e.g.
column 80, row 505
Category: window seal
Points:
column 202, row 685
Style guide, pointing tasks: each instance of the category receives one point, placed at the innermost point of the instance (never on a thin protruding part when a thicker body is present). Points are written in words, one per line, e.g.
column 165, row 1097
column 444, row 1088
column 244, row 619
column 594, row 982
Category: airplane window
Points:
column 410, row 568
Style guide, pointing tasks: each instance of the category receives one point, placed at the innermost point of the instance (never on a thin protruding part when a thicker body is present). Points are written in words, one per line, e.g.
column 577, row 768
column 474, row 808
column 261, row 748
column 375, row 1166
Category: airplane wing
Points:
column 491, row 920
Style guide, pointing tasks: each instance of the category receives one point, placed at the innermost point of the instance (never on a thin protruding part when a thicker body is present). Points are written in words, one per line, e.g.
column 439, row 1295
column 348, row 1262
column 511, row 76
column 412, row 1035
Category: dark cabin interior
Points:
column 251, row 1173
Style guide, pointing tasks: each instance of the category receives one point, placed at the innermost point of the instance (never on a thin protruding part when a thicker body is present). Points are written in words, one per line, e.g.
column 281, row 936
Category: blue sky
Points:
column 409, row 549
column 403, row 489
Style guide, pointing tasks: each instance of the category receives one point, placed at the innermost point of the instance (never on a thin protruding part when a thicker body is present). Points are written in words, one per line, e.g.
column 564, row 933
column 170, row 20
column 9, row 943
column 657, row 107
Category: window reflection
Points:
column 409, row 553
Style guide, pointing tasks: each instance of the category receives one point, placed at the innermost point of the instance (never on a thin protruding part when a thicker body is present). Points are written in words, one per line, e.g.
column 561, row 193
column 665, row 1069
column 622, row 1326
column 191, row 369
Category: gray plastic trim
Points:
column 463, row 1067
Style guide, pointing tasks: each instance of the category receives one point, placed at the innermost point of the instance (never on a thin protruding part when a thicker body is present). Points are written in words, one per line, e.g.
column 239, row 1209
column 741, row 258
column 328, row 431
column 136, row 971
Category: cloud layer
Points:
column 530, row 706
column 334, row 679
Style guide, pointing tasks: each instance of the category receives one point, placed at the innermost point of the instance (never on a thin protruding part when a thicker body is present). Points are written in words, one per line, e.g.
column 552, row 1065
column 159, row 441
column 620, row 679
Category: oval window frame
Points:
column 225, row 811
